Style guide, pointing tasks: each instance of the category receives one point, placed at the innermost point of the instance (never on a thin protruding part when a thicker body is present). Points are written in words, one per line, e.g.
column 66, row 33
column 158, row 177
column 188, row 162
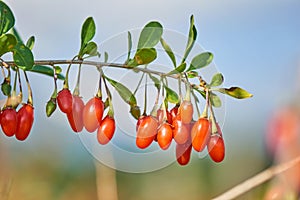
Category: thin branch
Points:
column 258, row 179
column 96, row 64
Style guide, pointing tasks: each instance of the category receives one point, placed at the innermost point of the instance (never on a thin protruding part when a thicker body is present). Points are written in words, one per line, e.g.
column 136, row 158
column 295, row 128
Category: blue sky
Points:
column 256, row 44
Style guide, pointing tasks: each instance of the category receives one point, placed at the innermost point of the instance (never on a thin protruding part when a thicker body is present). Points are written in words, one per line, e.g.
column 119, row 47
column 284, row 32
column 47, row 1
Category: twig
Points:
column 257, row 179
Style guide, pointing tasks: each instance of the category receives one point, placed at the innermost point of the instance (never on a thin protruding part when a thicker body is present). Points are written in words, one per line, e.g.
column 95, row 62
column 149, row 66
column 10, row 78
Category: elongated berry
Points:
column 92, row 114
column 146, row 132
column 200, row 134
column 216, row 148
column 25, row 118
column 64, row 100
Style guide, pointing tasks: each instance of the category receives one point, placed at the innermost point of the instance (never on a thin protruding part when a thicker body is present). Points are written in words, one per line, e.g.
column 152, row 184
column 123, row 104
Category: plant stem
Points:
column 258, row 179
column 30, row 99
column 77, row 87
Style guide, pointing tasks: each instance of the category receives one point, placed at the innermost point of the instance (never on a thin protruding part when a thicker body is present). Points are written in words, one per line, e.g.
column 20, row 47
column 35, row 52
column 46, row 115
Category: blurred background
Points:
column 256, row 45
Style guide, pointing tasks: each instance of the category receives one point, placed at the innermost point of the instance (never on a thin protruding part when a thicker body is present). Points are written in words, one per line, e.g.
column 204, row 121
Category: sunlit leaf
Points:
column 145, row 56
column 191, row 39
column 150, row 35
column 23, row 56
column 41, row 69
column 169, row 51
column 236, row 92
column 7, row 43
column 171, row 95
column 201, row 60
column 216, row 80
column 123, row 91
column 7, row 19
column 178, row 69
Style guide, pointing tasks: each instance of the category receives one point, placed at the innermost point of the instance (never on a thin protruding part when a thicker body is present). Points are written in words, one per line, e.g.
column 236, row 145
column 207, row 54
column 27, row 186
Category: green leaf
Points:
column 88, row 31
column 105, row 56
column 30, row 42
column 129, row 46
column 236, row 92
column 171, row 95
column 201, row 60
column 7, row 43
column 178, row 69
column 191, row 40
column 23, row 56
column 17, row 35
column 41, row 69
column 135, row 111
column 123, row 91
column 58, row 69
column 215, row 100
column 216, row 80
column 91, row 49
column 150, row 35
column 6, row 87
column 169, row 51
column 203, row 94
column 192, row 74
column 156, row 81
column 145, row 56
column 7, row 19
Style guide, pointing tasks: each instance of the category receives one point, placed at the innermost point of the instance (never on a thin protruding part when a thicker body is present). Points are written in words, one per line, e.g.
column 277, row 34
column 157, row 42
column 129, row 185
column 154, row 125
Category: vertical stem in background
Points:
column 5, row 175
column 106, row 182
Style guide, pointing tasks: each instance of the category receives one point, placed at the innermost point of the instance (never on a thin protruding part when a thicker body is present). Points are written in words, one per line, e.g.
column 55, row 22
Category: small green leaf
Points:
column 191, row 40
column 30, row 42
column 192, row 74
column 88, row 31
column 178, row 69
column 156, row 81
column 145, row 56
column 6, row 87
column 135, row 111
column 41, row 69
column 171, row 95
column 129, row 46
column 7, row 19
column 58, row 69
column 123, row 91
column 236, row 92
column 201, row 60
column 23, row 56
column 203, row 94
column 16, row 34
column 169, row 51
column 150, row 35
column 7, row 43
column 105, row 56
column 216, row 80
column 90, row 48
column 215, row 100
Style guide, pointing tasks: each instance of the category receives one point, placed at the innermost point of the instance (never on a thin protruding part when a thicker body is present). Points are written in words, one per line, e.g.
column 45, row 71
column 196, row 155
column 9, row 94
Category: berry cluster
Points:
column 163, row 126
column 89, row 115
column 17, row 123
